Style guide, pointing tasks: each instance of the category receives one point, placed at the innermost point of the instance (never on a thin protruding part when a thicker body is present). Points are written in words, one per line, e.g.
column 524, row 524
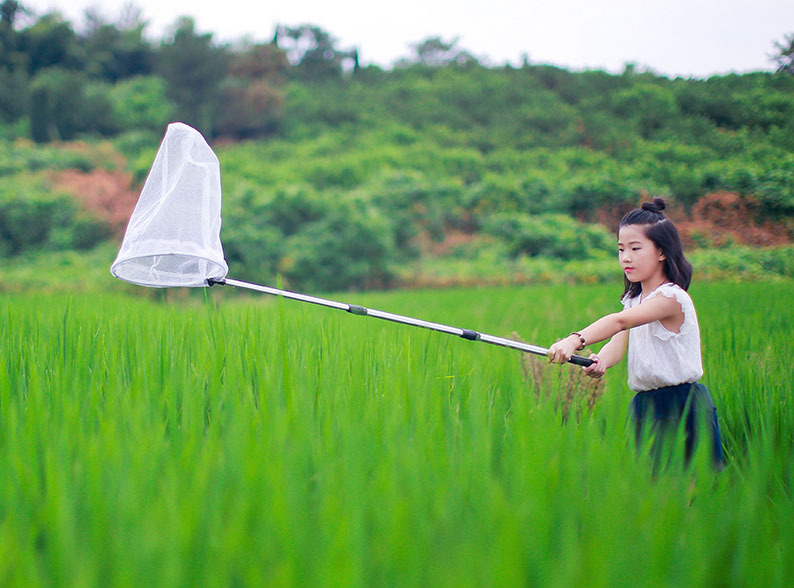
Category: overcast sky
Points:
column 690, row 38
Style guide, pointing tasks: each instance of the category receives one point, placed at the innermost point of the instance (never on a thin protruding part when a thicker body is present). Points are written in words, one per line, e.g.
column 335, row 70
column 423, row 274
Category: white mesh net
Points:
column 173, row 237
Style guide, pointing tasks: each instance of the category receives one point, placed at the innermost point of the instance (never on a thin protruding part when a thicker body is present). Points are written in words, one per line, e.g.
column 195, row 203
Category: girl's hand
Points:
column 563, row 349
column 597, row 368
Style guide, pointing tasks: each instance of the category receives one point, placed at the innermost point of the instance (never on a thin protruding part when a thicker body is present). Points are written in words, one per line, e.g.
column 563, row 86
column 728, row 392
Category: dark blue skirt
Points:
column 664, row 408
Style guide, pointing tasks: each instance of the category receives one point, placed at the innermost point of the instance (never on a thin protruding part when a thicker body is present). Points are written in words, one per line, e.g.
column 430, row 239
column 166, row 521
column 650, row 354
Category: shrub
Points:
column 352, row 247
column 64, row 105
column 32, row 217
column 776, row 192
column 14, row 99
column 140, row 104
column 649, row 106
column 413, row 205
column 320, row 241
column 743, row 263
column 550, row 235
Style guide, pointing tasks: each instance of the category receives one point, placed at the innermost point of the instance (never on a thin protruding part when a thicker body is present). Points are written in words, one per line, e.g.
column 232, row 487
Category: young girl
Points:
column 658, row 325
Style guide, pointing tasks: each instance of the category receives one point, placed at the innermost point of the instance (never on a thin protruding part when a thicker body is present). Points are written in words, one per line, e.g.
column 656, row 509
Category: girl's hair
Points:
column 661, row 230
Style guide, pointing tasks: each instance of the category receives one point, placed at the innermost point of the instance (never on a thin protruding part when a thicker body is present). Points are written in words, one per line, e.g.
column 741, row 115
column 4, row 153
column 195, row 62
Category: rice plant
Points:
column 248, row 441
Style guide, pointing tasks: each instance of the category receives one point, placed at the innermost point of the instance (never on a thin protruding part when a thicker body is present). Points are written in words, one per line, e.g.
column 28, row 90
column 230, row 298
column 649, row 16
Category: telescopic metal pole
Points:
column 397, row 318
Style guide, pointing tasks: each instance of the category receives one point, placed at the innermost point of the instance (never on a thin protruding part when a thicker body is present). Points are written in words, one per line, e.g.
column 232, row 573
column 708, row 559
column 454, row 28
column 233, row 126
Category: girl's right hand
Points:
column 596, row 369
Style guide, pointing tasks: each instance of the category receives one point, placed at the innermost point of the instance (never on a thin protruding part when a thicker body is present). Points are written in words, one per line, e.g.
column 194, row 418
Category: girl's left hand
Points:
column 597, row 368
column 563, row 349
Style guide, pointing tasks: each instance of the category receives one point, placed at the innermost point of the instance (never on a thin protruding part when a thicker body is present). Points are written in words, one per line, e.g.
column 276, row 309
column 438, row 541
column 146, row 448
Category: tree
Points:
column 14, row 79
column 13, row 76
column 785, row 55
column 650, row 106
column 9, row 37
column 351, row 246
column 50, row 42
column 140, row 103
column 549, row 235
column 56, row 111
column 8, row 12
column 313, row 53
column 64, row 104
column 194, row 69
column 14, row 92
column 116, row 51
column 253, row 93
column 434, row 52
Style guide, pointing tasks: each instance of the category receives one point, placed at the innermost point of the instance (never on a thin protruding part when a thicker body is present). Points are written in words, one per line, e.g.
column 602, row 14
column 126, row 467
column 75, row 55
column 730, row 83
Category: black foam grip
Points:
column 582, row 361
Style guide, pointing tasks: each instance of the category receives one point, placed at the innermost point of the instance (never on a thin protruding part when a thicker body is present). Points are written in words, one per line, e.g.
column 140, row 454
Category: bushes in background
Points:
column 32, row 218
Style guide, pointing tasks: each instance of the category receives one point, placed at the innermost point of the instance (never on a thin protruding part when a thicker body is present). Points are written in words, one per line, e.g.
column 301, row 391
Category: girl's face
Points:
column 639, row 257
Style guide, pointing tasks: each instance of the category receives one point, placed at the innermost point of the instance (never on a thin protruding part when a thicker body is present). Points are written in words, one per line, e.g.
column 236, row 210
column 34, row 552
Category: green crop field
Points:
column 228, row 441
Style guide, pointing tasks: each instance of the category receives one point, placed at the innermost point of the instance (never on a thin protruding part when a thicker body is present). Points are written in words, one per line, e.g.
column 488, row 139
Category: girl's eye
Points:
column 635, row 248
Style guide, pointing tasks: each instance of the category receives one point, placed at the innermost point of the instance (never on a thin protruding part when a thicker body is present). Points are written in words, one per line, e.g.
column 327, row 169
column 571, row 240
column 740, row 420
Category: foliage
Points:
column 785, row 55
column 439, row 151
column 246, row 442
column 647, row 106
column 115, row 51
column 24, row 156
column 314, row 54
column 253, row 98
column 313, row 242
column 14, row 101
column 549, row 235
column 350, row 246
column 435, row 52
column 31, row 217
column 49, row 42
column 65, row 105
column 193, row 69
column 743, row 263
column 140, row 103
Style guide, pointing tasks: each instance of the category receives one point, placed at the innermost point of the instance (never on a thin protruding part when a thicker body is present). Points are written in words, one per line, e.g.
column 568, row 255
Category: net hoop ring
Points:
column 169, row 270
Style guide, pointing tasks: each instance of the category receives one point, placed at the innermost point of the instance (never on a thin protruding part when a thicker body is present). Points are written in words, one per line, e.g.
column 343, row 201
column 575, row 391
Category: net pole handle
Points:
column 579, row 360
column 467, row 334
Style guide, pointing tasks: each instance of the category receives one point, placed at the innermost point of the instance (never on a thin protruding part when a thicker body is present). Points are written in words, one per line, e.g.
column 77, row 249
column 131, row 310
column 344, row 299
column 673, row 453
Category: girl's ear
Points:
column 662, row 256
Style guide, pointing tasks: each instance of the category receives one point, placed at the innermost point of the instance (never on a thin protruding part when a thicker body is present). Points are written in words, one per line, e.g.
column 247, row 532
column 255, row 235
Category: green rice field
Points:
column 223, row 440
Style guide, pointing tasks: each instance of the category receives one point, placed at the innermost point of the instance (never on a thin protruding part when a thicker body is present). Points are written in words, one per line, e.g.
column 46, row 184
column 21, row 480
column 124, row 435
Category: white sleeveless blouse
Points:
column 658, row 357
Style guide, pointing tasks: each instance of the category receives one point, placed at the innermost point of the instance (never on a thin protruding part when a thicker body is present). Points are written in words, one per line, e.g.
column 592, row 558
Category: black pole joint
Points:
column 470, row 335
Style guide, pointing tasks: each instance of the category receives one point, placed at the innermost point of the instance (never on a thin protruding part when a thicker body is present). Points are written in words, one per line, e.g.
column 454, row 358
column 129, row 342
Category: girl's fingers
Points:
column 596, row 369
column 557, row 354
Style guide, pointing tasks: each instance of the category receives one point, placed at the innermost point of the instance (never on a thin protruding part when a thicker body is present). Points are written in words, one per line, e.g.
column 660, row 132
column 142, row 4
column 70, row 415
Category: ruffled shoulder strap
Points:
column 670, row 290
column 628, row 301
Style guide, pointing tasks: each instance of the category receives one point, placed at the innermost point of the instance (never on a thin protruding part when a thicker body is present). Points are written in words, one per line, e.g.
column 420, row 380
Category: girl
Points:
column 658, row 325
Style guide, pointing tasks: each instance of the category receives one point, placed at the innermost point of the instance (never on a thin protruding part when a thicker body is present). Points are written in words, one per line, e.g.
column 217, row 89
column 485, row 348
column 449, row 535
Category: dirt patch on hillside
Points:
column 722, row 218
column 453, row 239
column 107, row 195
column 717, row 219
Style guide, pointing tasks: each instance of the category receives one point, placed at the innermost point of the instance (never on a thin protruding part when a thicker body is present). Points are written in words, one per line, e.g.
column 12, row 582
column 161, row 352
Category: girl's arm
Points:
column 613, row 352
column 657, row 308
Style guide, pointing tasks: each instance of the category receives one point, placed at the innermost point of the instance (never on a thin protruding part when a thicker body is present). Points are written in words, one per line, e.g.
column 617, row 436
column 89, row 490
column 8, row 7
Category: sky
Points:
column 687, row 38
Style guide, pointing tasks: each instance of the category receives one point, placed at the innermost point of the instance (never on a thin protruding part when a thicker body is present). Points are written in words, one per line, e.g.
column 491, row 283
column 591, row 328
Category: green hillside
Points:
column 440, row 170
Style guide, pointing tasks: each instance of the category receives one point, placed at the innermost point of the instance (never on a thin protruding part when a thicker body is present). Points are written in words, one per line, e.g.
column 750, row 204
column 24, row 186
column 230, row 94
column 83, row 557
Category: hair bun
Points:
column 656, row 206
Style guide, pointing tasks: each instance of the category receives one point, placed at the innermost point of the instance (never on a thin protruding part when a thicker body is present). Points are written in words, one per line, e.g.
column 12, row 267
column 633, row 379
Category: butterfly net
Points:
column 173, row 237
